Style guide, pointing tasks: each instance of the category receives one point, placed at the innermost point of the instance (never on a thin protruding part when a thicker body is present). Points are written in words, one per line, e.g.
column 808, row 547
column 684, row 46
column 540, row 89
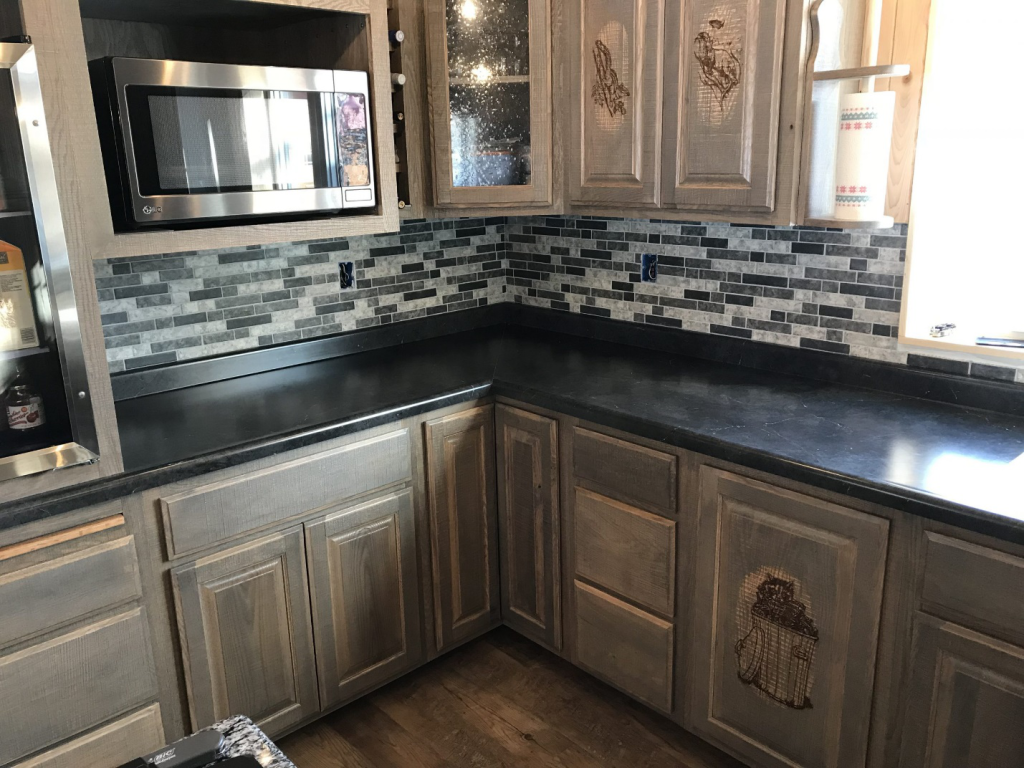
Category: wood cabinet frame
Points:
column 539, row 192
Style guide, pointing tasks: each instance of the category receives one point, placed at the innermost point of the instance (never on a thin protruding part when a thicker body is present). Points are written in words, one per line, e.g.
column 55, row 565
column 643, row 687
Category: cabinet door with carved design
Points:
column 789, row 592
column 723, row 83
column 616, row 100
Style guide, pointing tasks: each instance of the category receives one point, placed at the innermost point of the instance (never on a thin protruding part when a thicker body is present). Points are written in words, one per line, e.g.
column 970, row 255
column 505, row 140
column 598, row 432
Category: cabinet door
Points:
column 788, row 596
column 966, row 700
column 362, row 565
column 529, row 524
column 723, row 82
column 616, row 73
column 489, row 93
column 464, row 524
column 246, row 634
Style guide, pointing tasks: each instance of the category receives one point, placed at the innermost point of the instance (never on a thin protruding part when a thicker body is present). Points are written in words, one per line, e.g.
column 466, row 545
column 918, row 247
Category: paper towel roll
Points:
column 862, row 155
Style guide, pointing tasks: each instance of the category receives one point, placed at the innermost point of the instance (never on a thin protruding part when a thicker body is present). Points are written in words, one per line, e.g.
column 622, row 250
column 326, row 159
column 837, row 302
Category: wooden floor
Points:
column 499, row 701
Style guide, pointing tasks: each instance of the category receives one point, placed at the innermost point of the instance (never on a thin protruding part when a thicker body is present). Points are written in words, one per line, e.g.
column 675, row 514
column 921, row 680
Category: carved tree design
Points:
column 775, row 656
column 608, row 92
column 720, row 66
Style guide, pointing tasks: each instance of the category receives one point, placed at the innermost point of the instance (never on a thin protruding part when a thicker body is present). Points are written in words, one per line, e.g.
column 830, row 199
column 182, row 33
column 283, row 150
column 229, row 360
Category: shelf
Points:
column 14, row 214
column 20, row 353
column 503, row 80
column 886, row 222
column 859, row 73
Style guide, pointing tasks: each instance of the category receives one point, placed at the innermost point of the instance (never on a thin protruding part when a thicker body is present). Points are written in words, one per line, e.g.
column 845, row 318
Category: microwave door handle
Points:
column 325, row 135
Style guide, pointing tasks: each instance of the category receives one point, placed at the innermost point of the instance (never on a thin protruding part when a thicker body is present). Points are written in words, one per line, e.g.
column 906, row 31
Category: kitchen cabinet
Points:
column 529, row 524
column 623, row 545
column 616, row 53
column 463, row 524
column 787, row 606
column 246, row 634
column 366, row 617
column 489, row 98
column 723, row 88
column 966, row 699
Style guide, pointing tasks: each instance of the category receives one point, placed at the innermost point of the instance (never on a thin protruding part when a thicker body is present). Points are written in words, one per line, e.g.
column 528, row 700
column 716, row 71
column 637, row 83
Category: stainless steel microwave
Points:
column 185, row 142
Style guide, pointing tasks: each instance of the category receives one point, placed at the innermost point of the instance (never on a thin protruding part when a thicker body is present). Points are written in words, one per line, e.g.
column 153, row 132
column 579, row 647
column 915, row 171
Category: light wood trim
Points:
column 42, row 542
column 859, row 73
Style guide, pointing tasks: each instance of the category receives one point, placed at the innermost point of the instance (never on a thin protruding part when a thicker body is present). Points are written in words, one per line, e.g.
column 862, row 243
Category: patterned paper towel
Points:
column 862, row 155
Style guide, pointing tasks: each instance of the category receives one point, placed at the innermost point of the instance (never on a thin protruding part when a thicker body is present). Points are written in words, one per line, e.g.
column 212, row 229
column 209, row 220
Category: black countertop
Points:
column 960, row 465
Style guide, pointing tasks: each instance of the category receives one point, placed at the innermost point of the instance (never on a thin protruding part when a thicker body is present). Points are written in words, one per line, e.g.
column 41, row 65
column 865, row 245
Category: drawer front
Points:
column 51, row 594
column 221, row 510
column 630, row 649
column 958, row 577
column 137, row 734
column 626, row 550
column 64, row 687
column 624, row 471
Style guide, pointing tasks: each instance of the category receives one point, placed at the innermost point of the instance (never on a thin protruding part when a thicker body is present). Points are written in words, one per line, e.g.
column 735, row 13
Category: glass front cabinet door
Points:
column 489, row 69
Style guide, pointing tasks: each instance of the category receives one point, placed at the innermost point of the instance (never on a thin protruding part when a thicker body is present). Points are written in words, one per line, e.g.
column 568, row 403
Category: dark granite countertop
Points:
column 961, row 465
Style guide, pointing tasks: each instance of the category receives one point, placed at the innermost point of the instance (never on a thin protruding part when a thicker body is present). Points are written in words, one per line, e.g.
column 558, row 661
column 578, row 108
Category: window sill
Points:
column 962, row 349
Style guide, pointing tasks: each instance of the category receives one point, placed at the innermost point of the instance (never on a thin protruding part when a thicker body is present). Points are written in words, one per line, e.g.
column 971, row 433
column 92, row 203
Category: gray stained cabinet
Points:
column 616, row 50
column 463, row 524
column 246, row 634
column 966, row 700
column 527, row 457
column 789, row 589
column 366, row 617
column 723, row 85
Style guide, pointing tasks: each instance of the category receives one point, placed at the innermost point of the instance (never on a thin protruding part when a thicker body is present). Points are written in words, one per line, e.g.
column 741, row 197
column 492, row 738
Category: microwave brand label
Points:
column 149, row 210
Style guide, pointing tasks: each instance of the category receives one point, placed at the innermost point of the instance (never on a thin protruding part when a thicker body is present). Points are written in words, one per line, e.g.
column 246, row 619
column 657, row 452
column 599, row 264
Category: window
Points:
column 966, row 247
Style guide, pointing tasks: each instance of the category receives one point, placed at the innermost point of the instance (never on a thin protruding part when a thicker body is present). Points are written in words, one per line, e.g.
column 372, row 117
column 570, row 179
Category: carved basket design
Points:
column 776, row 655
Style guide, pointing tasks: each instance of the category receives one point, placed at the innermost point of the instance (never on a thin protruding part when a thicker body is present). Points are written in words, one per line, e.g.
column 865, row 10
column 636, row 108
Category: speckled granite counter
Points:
column 243, row 737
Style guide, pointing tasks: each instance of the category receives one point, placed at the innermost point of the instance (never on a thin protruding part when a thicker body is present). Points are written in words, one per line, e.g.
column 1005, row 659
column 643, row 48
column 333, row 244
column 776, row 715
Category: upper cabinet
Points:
column 723, row 87
column 489, row 94
column 615, row 61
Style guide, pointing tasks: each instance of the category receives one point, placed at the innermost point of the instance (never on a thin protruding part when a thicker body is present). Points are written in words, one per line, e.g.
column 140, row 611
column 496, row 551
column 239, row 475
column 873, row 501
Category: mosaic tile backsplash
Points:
column 838, row 292
column 165, row 309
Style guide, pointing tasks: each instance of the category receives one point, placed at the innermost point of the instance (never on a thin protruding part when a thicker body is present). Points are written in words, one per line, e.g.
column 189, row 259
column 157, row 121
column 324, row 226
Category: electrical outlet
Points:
column 649, row 268
column 346, row 275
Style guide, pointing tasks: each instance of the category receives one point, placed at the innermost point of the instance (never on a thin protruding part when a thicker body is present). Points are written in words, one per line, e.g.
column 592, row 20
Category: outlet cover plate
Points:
column 346, row 275
column 649, row 268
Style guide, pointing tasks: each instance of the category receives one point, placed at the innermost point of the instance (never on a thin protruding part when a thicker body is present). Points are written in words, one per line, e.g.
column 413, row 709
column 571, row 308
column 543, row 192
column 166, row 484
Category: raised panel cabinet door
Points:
column 366, row 618
column 723, row 85
column 965, row 704
column 464, row 524
column 489, row 98
column 786, row 614
column 246, row 634
column 616, row 78
column 528, row 517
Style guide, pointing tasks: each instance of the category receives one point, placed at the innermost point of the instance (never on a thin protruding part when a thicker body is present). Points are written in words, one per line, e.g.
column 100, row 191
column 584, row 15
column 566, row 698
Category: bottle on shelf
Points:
column 17, row 319
column 23, row 405
column 396, row 36
column 397, row 79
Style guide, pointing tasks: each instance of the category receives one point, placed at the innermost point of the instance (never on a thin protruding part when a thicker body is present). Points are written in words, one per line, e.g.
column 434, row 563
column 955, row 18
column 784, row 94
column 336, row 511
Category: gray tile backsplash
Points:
column 834, row 291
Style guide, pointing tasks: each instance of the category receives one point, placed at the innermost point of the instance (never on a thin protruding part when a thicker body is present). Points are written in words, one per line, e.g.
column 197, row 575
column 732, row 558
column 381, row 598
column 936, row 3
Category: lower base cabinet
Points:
column 136, row 734
column 246, row 634
column 789, row 592
column 966, row 700
column 366, row 617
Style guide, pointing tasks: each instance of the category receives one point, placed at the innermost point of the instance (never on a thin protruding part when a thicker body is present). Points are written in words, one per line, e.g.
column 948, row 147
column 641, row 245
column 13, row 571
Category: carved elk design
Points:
column 775, row 656
column 608, row 92
column 721, row 68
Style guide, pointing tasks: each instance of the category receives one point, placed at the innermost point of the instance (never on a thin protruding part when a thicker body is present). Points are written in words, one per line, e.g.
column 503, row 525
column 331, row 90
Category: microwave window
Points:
column 203, row 140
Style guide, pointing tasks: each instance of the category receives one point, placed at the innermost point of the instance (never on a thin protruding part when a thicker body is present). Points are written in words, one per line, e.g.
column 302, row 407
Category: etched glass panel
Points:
column 489, row 92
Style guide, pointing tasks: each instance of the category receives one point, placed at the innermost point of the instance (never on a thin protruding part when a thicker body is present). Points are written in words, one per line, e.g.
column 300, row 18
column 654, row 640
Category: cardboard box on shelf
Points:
column 17, row 320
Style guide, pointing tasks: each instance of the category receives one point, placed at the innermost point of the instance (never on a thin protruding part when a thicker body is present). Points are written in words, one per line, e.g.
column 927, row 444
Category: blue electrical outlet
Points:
column 649, row 268
column 346, row 275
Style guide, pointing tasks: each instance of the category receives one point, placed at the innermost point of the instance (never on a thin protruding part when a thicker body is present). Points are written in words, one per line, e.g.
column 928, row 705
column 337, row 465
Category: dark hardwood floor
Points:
column 499, row 701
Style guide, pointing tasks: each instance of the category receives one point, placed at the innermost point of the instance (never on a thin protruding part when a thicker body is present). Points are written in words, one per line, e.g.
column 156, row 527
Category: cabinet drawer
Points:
column 57, row 592
column 625, row 471
column 958, row 576
column 137, row 734
column 64, row 687
column 625, row 646
column 199, row 517
column 626, row 550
